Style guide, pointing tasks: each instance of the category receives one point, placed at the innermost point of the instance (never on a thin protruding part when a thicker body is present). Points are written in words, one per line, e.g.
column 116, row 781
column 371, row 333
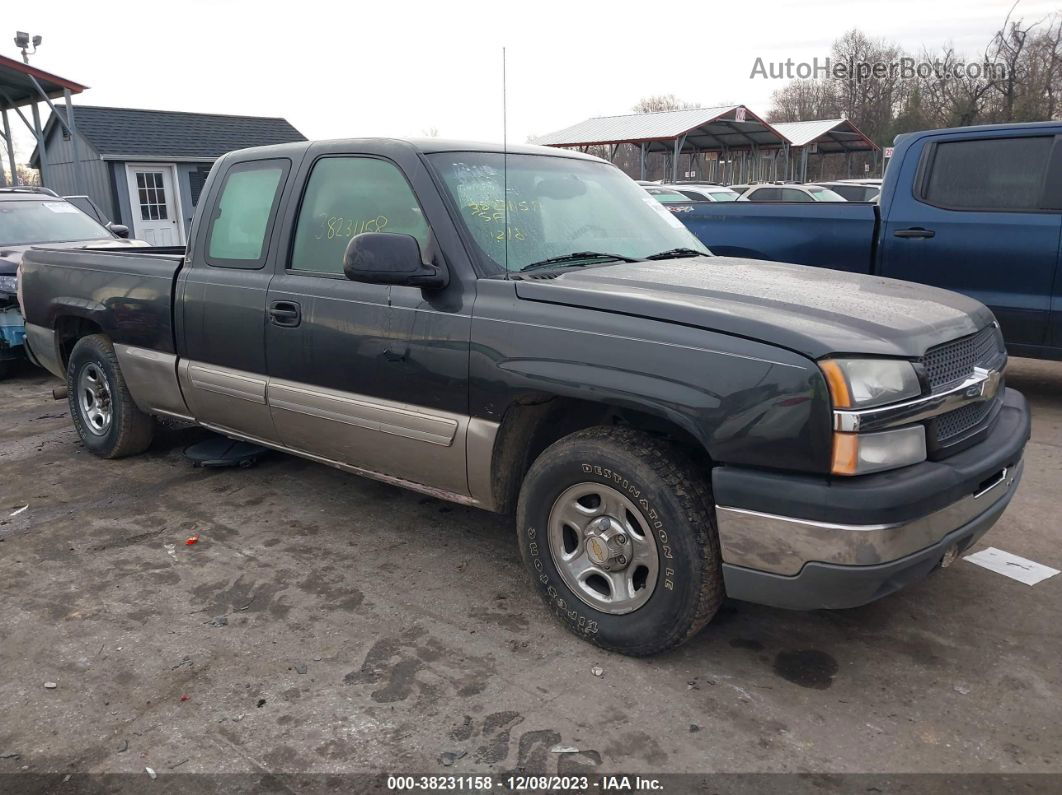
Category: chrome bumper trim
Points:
column 783, row 544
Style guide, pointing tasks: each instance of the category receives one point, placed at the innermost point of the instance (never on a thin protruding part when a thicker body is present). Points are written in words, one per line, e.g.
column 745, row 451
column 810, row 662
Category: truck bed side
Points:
column 126, row 294
column 833, row 235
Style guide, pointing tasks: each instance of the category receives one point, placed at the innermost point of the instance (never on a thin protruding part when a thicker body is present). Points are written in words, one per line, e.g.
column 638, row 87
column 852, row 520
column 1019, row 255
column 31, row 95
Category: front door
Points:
column 345, row 380
column 154, row 204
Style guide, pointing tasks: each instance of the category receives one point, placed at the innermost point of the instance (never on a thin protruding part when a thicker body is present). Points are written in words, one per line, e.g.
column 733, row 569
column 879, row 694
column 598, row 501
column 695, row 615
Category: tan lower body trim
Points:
column 41, row 341
column 422, row 488
column 152, row 380
column 434, row 452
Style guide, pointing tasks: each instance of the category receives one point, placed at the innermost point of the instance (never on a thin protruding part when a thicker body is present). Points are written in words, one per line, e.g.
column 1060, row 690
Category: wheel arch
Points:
column 71, row 327
column 535, row 421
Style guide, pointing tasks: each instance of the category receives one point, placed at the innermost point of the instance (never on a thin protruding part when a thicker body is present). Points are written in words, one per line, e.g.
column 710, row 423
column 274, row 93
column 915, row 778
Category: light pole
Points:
column 23, row 41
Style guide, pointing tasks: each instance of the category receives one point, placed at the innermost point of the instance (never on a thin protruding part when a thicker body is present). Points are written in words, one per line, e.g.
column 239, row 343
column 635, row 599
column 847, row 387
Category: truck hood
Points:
column 809, row 310
column 11, row 256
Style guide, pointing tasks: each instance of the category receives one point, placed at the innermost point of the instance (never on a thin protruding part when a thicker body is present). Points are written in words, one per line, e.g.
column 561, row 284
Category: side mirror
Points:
column 385, row 258
column 119, row 230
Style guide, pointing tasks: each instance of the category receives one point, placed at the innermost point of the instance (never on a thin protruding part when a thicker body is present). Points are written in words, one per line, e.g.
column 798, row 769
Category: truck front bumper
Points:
column 806, row 543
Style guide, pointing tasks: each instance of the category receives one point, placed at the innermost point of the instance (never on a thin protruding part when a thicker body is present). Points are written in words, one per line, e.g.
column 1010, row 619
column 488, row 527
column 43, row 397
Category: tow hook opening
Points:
column 951, row 554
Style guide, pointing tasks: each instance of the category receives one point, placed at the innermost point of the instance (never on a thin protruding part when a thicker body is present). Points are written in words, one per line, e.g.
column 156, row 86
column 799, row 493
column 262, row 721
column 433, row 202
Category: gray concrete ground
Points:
column 329, row 623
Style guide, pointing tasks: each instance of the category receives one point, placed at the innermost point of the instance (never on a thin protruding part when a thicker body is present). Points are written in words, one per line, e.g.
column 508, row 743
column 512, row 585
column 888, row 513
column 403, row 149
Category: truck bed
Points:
column 126, row 293
column 833, row 235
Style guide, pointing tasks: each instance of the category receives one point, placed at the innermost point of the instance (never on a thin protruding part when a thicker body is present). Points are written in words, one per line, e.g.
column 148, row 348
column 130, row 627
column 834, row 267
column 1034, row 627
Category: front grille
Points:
column 952, row 362
column 957, row 422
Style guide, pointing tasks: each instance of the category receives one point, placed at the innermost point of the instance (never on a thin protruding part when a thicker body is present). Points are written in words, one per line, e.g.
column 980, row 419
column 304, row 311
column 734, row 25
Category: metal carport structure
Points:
column 21, row 85
column 824, row 137
column 695, row 132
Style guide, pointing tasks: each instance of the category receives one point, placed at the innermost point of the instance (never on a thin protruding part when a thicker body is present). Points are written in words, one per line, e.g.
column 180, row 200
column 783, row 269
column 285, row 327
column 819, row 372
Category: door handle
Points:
column 285, row 313
column 916, row 231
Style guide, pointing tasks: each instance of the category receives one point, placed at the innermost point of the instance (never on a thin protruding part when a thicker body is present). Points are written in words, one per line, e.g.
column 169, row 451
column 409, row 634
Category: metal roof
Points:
column 829, row 135
column 130, row 133
column 703, row 128
column 16, row 84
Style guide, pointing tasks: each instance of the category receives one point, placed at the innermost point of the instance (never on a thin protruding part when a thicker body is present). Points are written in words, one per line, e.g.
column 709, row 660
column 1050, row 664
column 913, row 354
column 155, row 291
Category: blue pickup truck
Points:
column 975, row 209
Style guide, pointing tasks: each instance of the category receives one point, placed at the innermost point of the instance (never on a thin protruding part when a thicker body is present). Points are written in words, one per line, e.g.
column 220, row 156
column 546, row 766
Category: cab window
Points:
column 345, row 197
column 988, row 174
column 240, row 222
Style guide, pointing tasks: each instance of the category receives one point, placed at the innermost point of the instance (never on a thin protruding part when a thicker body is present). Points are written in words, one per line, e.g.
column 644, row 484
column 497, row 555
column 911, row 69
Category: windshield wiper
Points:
column 574, row 258
column 675, row 253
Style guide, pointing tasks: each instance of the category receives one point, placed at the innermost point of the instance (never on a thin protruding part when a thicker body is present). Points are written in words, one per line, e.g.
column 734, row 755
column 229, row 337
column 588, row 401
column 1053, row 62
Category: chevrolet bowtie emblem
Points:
column 987, row 384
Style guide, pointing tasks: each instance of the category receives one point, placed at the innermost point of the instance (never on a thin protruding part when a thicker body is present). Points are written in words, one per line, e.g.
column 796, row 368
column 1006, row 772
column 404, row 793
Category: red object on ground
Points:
column 185, row 698
column 192, row 540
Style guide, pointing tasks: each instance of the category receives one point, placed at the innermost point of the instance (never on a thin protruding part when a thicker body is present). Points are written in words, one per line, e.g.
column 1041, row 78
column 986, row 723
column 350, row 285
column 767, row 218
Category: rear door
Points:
column 222, row 300
column 976, row 221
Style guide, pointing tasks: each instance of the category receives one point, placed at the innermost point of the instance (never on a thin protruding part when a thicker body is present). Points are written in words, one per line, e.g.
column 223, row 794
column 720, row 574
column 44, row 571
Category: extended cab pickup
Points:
column 976, row 209
column 530, row 332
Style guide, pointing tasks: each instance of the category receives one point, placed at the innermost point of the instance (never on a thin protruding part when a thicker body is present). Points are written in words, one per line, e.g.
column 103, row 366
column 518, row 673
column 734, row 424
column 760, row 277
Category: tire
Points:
column 5, row 368
column 673, row 514
column 107, row 420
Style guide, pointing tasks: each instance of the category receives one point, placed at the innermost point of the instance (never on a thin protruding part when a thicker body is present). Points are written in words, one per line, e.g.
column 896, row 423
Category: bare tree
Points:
column 659, row 102
column 803, row 100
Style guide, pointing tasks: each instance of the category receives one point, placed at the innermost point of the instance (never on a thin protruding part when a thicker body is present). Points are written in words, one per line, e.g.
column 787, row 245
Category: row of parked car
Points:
column 851, row 190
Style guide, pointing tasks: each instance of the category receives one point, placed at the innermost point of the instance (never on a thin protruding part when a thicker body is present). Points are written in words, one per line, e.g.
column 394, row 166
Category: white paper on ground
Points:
column 1020, row 569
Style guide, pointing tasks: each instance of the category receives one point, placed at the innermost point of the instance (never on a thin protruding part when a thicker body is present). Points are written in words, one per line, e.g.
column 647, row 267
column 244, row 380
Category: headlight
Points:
column 860, row 453
column 862, row 383
column 8, row 284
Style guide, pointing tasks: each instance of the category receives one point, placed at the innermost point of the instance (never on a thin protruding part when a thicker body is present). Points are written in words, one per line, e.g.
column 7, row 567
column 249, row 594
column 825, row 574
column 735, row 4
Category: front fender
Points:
column 745, row 402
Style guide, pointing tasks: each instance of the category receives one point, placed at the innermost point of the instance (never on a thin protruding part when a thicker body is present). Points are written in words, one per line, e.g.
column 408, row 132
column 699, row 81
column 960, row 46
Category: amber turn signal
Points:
column 837, row 383
column 845, row 454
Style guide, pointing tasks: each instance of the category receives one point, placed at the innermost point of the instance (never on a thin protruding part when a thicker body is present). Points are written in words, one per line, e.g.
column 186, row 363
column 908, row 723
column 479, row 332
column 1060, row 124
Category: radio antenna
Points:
column 505, row 164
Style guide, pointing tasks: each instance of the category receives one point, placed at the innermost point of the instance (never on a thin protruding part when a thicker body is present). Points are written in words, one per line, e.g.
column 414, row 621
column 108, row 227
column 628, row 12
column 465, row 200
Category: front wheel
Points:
column 617, row 529
column 103, row 411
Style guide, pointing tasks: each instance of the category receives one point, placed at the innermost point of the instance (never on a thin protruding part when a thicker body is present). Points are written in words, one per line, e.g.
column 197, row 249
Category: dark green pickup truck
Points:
column 530, row 332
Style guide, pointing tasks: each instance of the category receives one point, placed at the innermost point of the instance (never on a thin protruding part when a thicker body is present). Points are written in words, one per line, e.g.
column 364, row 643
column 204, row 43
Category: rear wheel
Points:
column 103, row 411
column 617, row 529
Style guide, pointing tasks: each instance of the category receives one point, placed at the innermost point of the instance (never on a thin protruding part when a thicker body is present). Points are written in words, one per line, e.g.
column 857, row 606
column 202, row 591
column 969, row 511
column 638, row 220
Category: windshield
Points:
column 33, row 221
column 556, row 206
column 825, row 195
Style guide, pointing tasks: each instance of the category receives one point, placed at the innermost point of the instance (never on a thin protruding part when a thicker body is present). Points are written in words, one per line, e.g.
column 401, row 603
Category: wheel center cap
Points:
column 597, row 550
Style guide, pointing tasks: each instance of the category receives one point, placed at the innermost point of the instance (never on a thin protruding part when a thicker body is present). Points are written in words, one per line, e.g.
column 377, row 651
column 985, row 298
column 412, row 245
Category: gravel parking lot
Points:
column 328, row 623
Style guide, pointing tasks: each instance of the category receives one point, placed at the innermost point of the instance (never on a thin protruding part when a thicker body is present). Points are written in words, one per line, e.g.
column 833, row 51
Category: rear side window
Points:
column 993, row 174
column 766, row 195
column 240, row 222
column 345, row 197
column 794, row 195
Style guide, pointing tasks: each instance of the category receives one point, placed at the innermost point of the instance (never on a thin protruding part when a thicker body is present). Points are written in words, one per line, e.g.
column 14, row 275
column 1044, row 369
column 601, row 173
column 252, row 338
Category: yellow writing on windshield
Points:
column 492, row 211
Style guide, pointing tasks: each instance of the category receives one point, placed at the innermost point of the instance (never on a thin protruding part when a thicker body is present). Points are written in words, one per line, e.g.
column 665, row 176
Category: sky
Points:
column 401, row 68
